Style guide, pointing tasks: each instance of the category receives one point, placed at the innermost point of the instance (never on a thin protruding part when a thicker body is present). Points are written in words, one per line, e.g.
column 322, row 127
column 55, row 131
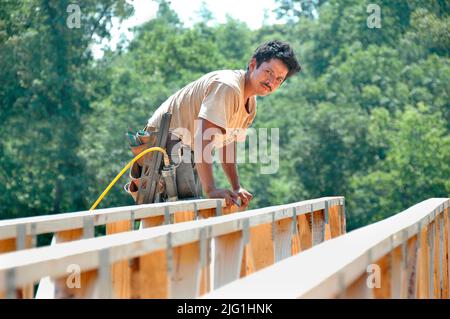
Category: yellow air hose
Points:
column 151, row 149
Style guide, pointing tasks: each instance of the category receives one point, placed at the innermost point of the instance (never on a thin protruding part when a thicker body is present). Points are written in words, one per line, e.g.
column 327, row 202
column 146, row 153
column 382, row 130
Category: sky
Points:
column 248, row 11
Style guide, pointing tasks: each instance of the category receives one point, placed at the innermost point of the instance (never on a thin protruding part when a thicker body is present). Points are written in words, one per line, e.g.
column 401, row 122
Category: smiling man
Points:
column 214, row 111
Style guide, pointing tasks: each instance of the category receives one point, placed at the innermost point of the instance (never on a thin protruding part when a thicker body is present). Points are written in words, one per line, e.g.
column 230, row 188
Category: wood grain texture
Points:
column 398, row 274
column 412, row 250
column 423, row 288
column 228, row 258
column 334, row 222
column 358, row 289
column 138, row 244
column 68, row 221
column 446, row 254
column 318, row 224
column 120, row 271
column 88, row 279
column 260, row 253
column 282, row 239
column 149, row 277
column 10, row 245
column 399, row 245
column 305, row 231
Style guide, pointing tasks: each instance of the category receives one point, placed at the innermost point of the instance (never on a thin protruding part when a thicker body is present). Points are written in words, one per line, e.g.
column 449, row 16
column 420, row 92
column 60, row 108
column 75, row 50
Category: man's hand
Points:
column 245, row 196
column 230, row 196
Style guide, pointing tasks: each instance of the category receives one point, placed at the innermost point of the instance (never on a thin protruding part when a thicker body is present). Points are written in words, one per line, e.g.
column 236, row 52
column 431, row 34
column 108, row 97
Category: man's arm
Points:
column 204, row 161
column 228, row 161
column 229, row 166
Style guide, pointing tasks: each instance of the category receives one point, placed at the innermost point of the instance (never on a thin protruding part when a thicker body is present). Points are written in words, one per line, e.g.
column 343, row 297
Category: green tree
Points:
column 44, row 95
column 416, row 167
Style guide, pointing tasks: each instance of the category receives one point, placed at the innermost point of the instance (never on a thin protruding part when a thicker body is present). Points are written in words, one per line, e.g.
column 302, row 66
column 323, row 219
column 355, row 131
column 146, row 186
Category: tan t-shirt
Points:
column 217, row 97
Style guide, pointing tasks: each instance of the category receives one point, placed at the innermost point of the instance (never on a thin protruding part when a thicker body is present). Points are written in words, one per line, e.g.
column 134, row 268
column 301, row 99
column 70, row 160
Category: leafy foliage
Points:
column 367, row 118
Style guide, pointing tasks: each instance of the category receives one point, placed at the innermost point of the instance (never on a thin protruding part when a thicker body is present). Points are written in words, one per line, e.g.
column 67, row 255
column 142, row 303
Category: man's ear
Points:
column 252, row 64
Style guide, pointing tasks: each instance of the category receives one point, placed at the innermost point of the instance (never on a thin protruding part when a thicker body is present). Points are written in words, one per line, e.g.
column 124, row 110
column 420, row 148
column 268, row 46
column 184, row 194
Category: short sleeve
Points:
column 241, row 135
column 219, row 104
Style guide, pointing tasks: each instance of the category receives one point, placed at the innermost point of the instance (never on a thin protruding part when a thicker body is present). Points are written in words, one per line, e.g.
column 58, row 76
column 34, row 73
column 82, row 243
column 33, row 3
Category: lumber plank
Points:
column 322, row 265
column 185, row 279
column 120, row 271
column 295, row 239
column 228, row 253
column 10, row 245
column 446, row 254
column 7, row 245
column 50, row 261
column 282, row 238
column 431, row 259
column 305, row 231
column 436, row 262
column 247, row 266
column 318, row 227
column 411, row 267
column 129, row 273
column 424, row 265
column 87, row 278
column 260, row 252
column 334, row 222
column 384, row 291
column 342, row 218
column 149, row 272
column 68, row 221
column 358, row 289
column 398, row 273
column 295, row 244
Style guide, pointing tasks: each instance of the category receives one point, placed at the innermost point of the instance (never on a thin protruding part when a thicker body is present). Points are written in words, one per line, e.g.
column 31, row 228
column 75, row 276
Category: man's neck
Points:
column 248, row 90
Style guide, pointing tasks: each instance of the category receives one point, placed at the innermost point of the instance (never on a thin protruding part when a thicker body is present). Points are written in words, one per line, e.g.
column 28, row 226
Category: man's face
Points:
column 268, row 76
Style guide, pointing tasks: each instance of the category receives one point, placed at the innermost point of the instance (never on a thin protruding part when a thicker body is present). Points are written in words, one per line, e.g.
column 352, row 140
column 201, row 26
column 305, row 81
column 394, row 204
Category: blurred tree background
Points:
column 368, row 117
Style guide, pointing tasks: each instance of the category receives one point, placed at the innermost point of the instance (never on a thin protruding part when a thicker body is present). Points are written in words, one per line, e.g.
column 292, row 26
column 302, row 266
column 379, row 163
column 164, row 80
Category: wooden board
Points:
column 305, row 231
column 9, row 245
column 149, row 273
column 398, row 274
column 282, row 233
column 229, row 249
column 260, row 252
column 384, row 291
column 316, row 272
column 138, row 244
column 120, row 271
column 63, row 288
column 411, row 267
column 318, row 227
column 68, row 221
column 358, row 289
column 446, row 254
column 334, row 221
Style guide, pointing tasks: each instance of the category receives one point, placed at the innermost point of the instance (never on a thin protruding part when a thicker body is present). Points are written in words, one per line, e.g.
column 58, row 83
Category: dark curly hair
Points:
column 278, row 50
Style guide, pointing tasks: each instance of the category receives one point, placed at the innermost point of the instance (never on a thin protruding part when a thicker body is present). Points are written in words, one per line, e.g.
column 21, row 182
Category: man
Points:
column 214, row 111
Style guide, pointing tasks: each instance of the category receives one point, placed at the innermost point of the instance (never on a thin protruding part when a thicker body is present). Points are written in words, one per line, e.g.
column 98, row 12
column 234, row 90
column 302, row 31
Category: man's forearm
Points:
column 228, row 160
column 230, row 170
column 203, row 153
column 205, row 172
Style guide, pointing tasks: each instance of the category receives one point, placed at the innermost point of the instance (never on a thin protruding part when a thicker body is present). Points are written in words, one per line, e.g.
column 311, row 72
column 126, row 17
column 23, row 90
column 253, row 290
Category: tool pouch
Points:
column 147, row 186
column 148, row 140
column 132, row 189
column 187, row 180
